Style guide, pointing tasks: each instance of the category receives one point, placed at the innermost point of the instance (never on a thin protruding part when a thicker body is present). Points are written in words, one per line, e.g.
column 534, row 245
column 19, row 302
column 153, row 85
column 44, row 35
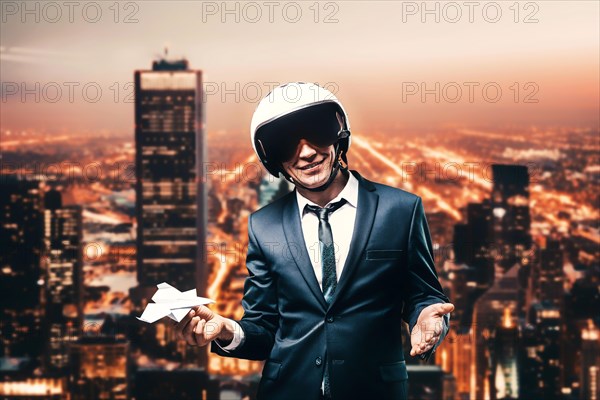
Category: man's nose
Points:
column 306, row 150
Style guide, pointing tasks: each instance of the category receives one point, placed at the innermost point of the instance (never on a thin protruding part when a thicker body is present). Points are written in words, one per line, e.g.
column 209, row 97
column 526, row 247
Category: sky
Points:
column 395, row 65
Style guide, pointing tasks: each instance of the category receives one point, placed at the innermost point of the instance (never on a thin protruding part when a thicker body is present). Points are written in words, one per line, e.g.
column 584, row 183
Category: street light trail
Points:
column 440, row 202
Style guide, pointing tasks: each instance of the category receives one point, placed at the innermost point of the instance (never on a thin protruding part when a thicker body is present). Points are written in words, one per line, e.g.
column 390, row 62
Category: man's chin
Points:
column 310, row 182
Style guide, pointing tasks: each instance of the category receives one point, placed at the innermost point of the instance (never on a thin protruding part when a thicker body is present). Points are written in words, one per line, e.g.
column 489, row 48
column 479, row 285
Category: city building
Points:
column 35, row 389
column 544, row 352
column 549, row 278
column 425, row 382
column 21, row 245
column 489, row 311
column 505, row 357
column 170, row 188
column 99, row 367
column 510, row 202
column 589, row 383
column 170, row 194
column 155, row 383
column 62, row 278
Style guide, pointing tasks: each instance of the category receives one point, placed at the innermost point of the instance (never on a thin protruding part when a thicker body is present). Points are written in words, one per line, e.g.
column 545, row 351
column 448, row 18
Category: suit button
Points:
column 330, row 319
column 318, row 361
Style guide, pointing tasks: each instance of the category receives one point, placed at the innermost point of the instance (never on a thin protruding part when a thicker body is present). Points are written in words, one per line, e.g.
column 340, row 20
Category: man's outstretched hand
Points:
column 427, row 331
column 202, row 325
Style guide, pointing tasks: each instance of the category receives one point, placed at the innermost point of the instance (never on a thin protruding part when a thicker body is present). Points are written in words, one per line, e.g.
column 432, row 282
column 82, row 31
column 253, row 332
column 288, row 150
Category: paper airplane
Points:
column 170, row 302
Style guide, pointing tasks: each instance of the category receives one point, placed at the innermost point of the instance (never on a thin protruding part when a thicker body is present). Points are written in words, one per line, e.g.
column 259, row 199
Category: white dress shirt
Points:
column 342, row 227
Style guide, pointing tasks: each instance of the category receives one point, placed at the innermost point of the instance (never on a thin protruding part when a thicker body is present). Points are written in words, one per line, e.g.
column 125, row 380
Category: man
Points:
column 333, row 267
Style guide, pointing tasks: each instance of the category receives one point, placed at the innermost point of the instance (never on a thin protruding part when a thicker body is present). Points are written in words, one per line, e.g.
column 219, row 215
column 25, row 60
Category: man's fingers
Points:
column 428, row 330
column 199, row 333
column 438, row 328
column 212, row 330
column 415, row 351
column 189, row 327
column 205, row 332
column 204, row 312
column 184, row 321
column 445, row 308
column 187, row 332
column 427, row 340
column 428, row 337
column 181, row 325
column 433, row 340
column 199, row 330
column 419, row 349
column 423, row 347
column 200, row 326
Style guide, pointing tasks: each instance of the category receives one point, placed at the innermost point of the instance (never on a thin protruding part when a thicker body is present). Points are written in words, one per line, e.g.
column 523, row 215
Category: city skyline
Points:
column 148, row 175
column 457, row 179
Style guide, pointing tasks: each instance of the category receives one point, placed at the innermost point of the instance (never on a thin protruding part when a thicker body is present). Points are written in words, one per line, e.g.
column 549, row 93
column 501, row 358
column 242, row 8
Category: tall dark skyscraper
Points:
column 170, row 188
column 550, row 276
column 474, row 242
column 590, row 363
column 546, row 355
column 473, row 246
column 20, row 259
column 505, row 348
column 510, row 200
column 63, row 263
column 170, row 196
column 490, row 310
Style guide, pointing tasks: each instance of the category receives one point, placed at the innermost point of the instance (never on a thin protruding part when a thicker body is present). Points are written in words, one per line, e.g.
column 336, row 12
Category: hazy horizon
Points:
column 371, row 58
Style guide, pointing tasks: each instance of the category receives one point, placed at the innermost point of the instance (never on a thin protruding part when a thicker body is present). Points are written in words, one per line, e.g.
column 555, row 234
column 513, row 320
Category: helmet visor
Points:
column 319, row 125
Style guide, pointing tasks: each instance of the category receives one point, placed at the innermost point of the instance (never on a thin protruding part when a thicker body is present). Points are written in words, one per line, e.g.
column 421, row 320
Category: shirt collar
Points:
column 350, row 193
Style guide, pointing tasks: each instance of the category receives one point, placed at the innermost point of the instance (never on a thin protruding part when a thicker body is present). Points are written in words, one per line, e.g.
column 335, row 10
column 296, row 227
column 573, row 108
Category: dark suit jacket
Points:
column 389, row 275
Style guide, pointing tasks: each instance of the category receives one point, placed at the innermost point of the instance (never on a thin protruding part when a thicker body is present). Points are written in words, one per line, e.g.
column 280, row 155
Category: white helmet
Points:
column 294, row 110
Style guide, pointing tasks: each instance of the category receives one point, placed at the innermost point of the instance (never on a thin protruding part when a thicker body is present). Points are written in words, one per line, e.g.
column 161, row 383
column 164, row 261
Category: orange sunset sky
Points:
column 367, row 52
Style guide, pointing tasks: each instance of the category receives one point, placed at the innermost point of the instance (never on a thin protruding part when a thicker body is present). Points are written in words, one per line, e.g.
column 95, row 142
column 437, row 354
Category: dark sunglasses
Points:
column 321, row 127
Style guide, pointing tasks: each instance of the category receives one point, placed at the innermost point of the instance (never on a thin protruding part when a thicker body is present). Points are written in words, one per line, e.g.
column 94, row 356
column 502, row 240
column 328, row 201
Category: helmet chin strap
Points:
column 334, row 171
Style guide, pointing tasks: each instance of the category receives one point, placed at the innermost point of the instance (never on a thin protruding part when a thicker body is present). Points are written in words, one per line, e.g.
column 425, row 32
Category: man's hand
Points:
column 427, row 331
column 202, row 325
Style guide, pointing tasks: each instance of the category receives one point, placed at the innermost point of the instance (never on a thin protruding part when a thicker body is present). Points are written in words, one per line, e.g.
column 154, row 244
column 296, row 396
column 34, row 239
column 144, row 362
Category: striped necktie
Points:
column 327, row 262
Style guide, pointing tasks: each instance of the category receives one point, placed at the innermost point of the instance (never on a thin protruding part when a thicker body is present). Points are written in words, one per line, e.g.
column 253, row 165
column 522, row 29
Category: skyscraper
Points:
column 547, row 320
column 21, row 245
column 170, row 196
column 550, row 276
column 170, row 187
column 590, row 363
column 63, row 278
column 510, row 201
column 473, row 245
column 490, row 310
column 505, row 359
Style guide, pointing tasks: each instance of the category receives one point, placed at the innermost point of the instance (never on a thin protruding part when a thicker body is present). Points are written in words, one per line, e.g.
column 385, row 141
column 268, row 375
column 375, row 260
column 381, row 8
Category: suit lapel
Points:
column 292, row 228
column 365, row 216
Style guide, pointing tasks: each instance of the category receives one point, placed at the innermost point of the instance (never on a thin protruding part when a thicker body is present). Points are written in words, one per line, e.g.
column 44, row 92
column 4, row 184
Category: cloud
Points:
column 31, row 55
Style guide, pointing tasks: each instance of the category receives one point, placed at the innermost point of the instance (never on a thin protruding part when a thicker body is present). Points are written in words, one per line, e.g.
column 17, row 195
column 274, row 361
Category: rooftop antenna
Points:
column 163, row 62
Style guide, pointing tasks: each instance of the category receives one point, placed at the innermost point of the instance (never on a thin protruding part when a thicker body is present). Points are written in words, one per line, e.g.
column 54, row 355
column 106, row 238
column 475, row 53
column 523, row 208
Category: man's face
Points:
column 310, row 165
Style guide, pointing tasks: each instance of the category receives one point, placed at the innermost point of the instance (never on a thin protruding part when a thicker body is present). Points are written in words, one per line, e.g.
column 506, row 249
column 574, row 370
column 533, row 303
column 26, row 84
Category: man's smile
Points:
column 312, row 165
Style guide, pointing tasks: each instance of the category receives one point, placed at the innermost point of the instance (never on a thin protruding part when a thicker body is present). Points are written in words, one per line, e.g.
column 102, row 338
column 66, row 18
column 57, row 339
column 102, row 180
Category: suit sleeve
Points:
column 422, row 287
column 261, row 316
